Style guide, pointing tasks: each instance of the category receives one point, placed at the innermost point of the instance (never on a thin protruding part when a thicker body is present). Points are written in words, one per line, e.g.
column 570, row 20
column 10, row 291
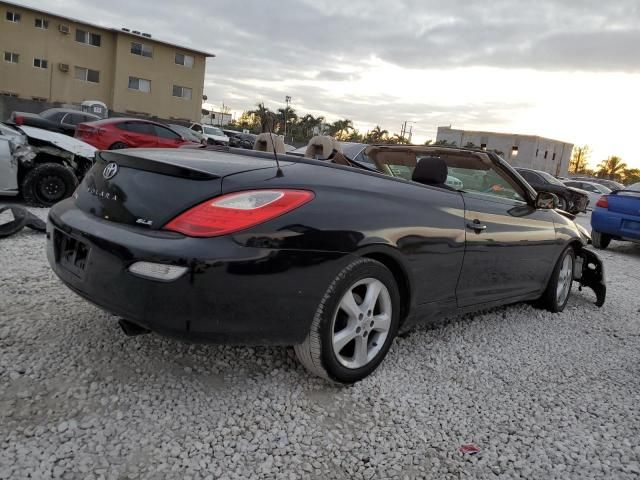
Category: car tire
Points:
column 369, row 327
column 600, row 240
column 118, row 146
column 558, row 291
column 562, row 203
column 47, row 184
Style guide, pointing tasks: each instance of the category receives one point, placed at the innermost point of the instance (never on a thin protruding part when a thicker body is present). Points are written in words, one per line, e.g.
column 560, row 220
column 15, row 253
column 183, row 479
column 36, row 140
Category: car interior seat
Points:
column 322, row 147
column 267, row 142
column 432, row 171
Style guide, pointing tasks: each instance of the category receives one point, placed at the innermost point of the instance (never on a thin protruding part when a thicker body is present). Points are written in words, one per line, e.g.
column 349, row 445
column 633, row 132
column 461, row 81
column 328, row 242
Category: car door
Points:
column 510, row 246
column 139, row 134
column 166, row 137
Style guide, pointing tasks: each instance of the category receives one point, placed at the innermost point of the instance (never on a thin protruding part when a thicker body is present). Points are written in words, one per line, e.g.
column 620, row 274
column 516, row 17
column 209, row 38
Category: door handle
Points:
column 476, row 225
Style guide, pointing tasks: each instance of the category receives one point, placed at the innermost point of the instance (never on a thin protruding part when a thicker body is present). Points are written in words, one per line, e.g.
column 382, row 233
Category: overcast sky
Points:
column 565, row 69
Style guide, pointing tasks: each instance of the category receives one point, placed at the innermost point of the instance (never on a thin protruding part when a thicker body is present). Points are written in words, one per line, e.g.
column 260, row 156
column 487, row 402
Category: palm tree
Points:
column 611, row 168
column 341, row 128
column 308, row 123
column 399, row 139
column 377, row 135
column 289, row 116
column 265, row 116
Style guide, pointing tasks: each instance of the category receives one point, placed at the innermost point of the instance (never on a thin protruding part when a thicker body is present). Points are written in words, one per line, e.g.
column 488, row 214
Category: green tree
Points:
column 631, row 175
column 376, row 135
column 341, row 128
column 308, row 124
column 266, row 118
column 579, row 159
column 612, row 168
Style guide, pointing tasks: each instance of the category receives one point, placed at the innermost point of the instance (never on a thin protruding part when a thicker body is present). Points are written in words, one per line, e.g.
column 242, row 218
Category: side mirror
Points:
column 547, row 200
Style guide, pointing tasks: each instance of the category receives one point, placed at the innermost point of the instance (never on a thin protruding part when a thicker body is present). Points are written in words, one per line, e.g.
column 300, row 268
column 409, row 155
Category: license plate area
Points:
column 71, row 254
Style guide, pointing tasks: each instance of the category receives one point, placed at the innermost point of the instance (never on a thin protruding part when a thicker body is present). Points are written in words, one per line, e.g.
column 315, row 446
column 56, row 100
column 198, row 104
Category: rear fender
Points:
column 589, row 272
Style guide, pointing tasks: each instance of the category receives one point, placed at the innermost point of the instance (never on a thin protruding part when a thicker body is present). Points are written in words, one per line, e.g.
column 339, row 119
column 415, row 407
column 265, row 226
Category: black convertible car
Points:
column 327, row 255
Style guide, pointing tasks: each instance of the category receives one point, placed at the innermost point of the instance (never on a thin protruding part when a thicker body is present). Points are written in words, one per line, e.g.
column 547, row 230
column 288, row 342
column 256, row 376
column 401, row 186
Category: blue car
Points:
column 616, row 216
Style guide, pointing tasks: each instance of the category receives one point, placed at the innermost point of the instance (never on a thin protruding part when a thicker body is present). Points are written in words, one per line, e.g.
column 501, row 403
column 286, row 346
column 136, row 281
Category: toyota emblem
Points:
column 110, row 170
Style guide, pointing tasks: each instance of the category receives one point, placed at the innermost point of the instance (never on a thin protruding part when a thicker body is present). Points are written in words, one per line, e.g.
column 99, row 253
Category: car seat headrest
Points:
column 430, row 171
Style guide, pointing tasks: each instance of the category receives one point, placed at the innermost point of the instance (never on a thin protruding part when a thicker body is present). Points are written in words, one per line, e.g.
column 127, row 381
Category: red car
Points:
column 115, row 133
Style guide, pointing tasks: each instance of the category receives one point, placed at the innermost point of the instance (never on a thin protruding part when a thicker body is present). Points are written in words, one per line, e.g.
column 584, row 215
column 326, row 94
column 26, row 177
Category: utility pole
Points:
column 287, row 101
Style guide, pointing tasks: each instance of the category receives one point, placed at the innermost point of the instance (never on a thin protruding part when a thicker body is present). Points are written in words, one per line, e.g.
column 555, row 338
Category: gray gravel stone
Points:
column 543, row 395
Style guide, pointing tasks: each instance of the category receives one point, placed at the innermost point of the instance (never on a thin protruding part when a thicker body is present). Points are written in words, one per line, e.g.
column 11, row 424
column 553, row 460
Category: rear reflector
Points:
column 237, row 211
column 603, row 202
column 157, row 271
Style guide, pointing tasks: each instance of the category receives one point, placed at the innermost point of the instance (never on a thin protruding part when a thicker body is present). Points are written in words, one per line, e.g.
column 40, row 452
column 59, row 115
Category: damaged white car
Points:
column 45, row 167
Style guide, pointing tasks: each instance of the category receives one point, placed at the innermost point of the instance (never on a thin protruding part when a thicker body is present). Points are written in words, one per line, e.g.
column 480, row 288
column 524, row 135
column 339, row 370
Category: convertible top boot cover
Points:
column 268, row 142
column 321, row 146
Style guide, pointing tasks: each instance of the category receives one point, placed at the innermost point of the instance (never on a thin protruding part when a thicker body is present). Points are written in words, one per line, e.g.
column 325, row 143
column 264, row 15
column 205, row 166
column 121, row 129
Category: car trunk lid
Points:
column 149, row 187
column 625, row 202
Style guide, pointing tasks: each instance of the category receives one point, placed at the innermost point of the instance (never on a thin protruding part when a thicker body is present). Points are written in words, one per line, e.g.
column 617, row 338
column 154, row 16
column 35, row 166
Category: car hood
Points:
column 220, row 138
column 578, row 190
column 64, row 142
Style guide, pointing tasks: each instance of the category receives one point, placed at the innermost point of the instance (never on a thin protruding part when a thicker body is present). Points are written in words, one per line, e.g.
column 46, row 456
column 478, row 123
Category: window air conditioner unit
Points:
column 63, row 67
column 63, row 29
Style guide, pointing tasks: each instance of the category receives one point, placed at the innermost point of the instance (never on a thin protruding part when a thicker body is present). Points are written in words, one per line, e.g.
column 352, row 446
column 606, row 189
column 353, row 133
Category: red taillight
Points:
column 18, row 120
column 237, row 211
column 603, row 202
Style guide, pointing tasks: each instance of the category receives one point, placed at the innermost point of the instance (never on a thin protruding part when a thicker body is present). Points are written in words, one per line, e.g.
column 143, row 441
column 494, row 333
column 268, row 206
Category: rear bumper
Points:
column 618, row 225
column 229, row 294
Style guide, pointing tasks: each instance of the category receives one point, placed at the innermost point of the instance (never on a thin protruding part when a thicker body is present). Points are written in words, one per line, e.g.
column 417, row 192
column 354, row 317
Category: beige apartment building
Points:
column 52, row 58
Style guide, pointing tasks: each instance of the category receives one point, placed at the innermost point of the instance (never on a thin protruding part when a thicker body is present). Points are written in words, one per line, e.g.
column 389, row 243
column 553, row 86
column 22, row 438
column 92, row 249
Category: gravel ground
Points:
column 542, row 395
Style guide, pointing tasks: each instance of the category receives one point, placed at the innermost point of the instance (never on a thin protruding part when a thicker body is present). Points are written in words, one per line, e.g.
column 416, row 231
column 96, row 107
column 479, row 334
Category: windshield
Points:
column 213, row 131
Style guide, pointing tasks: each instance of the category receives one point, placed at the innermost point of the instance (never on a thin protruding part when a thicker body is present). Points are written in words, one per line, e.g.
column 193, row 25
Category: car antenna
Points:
column 279, row 171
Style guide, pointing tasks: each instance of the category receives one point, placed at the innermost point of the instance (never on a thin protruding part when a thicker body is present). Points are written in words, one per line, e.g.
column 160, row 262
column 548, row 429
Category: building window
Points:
column 514, row 151
column 546, row 152
column 553, row 157
column 13, row 17
column 42, row 23
column 87, row 75
column 11, row 57
column 184, row 60
column 40, row 63
column 142, row 49
column 139, row 84
column 89, row 38
column 182, row 92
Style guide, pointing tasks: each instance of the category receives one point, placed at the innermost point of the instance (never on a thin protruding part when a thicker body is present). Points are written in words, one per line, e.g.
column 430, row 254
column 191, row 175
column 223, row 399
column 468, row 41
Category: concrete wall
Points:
column 113, row 59
column 533, row 152
column 163, row 73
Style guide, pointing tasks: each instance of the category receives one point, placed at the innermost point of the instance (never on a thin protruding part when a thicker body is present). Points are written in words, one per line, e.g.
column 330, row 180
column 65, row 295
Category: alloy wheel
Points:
column 565, row 276
column 361, row 323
